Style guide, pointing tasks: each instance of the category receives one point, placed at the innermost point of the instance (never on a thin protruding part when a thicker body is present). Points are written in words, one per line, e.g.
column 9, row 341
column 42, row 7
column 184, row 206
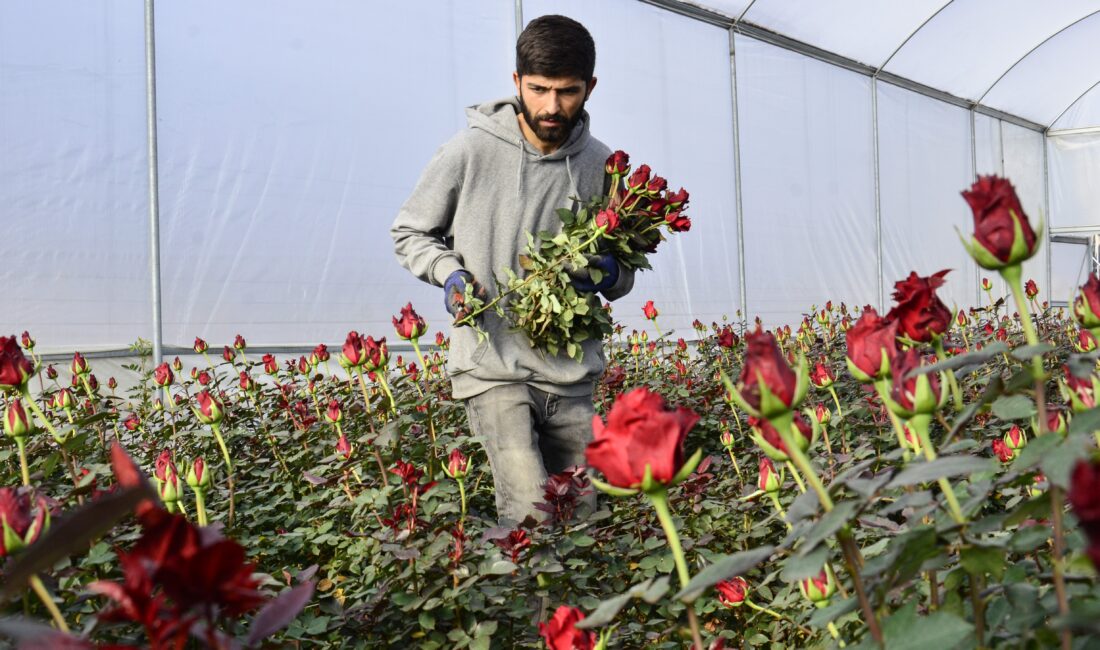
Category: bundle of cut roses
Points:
column 547, row 303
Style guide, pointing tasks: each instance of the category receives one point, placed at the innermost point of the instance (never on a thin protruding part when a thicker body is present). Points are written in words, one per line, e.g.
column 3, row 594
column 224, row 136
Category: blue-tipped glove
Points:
column 454, row 292
column 606, row 263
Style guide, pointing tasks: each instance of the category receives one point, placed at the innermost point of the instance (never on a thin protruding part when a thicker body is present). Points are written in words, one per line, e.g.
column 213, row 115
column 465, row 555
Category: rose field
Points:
column 921, row 478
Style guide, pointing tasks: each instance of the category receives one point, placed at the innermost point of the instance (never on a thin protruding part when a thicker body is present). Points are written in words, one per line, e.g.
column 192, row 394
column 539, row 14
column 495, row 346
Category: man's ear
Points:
column 591, row 85
column 515, row 80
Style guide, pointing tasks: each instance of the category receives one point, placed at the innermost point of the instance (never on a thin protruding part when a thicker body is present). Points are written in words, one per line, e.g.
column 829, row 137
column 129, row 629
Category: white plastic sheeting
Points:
column 291, row 133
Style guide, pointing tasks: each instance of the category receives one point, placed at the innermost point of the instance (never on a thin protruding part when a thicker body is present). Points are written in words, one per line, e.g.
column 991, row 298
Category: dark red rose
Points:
column 639, row 178
column 162, row 375
column 656, row 185
column 677, row 200
column 867, row 340
column 920, row 314
column 561, row 634
column 410, row 326
column 1003, row 452
column 321, row 352
column 228, row 354
column 617, row 163
column 239, row 343
column 770, row 437
column 640, row 431
column 200, row 346
column 352, row 352
column 727, row 338
column 607, row 219
column 822, row 376
column 343, row 447
column 16, row 517
column 1031, row 289
column 377, row 353
column 764, row 363
column 903, row 390
column 678, row 221
column 1086, row 307
column 732, row 592
column 79, row 366
column 15, row 368
column 997, row 215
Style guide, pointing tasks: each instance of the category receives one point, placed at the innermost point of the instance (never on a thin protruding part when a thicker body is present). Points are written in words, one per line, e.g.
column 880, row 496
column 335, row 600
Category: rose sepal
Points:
column 1085, row 313
column 613, row 490
column 686, row 469
column 864, row 378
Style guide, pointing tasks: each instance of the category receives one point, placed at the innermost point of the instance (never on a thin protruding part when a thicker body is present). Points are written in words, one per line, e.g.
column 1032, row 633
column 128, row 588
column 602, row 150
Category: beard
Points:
column 556, row 134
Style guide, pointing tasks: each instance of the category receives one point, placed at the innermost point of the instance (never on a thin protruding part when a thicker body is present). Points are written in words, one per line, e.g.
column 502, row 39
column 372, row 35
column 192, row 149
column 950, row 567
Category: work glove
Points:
column 454, row 293
column 582, row 279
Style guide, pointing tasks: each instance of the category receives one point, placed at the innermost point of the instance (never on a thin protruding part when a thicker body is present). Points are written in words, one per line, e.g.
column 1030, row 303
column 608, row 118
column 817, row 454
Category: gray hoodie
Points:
column 471, row 209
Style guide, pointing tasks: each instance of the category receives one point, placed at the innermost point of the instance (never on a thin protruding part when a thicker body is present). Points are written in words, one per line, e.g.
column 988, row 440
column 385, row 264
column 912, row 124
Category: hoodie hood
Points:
column 500, row 119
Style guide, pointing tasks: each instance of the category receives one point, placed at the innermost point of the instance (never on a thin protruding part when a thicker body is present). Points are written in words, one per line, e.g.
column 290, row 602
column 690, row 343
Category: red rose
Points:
column 768, row 480
column 655, row 186
column 15, row 368
column 640, row 431
column 1003, row 452
column 1084, row 492
column 869, row 340
column 162, row 375
column 200, row 346
column 617, row 163
column 639, row 179
column 410, row 326
column 343, row 447
column 769, row 441
column 822, row 376
column 921, row 315
column 765, row 365
column 678, row 222
column 997, row 217
column 1031, row 289
column 79, row 366
column 239, row 343
column 321, row 352
column 561, row 634
column 334, row 413
column 727, row 338
column 732, row 593
column 210, row 410
column 377, row 354
column 228, row 354
column 352, row 352
column 15, row 518
column 919, row 393
column 1086, row 307
column 649, row 310
column 677, row 200
column 457, row 464
column 607, row 219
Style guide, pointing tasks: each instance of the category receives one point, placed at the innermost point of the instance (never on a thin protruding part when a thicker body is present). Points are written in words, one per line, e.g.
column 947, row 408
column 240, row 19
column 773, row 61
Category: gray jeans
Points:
column 529, row 434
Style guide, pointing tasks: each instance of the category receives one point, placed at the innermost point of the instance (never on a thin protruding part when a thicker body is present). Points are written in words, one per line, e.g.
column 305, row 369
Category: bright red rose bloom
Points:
column 868, row 339
column 732, row 592
column 15, row 368
column 997, row 215
column 617, row 163
column 607, row 219
column 1084, row 498
column 640, row 431
column 561, row 634
column 1031, row 289
column 162, row 375
column 821, row 376
column 764, row 363
column 650, row 310
column 411, row 325
column 678, row 221
column 639, row 178
column 920, row 314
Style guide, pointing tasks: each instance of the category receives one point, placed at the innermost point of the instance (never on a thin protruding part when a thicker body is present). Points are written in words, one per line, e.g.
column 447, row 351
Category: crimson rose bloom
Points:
column 732, row 592
column 561, row 634
column 607, row 219
column 904, row 388
column 1084, row 497
column 822, row 376
column 15, row 369
column 867, row 340
column 1086, row 307
column 997, row 216
column 727, row 338
column 352, row 352
column 640, row 431
column 411, row 325
column 678, row 221
column 764, row 363
column 920, row 314
column 16, row 519
column 650, row 310
column 617, row 163
column 639, row 178
column 771, row 443
column 162, row 375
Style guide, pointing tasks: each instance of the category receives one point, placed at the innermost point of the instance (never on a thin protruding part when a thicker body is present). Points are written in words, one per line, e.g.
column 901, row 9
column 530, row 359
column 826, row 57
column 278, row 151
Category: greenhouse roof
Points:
column 1034, row 61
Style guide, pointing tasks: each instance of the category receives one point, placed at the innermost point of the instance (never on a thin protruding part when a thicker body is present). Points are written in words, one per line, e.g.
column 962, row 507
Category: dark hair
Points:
column 556, row 46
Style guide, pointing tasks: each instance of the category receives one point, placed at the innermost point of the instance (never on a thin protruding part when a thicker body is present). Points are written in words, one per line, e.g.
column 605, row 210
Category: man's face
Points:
column 550, row 106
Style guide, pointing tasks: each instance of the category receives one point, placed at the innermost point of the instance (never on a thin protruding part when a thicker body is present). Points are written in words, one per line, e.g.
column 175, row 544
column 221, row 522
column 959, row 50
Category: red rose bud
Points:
column 1015, row 439
column 20, row 527
column 203, row 378
column 334, row 413
column 162, row 375
column 63, row 399
column 352, row 354
column 1002, row 451
column 607, row 219
column 1084, row 342
column 321, row 352
column 732, row 592
column 1038, row 486
column 200, row 346
column 912, row 392
column 229, row 354
column 961, row 318
column 1056, row 421
column 177, row 365
column 132, row 422
column 618, row 163
column 457, row 465
column 820, row 588
column 51, row 372
column 822, row 376
column 377, row 354
column 210, row 410
column 15, row 368
column 17, row 423
column 1086, row 306
column 765, row 435
column 677, row 200
column 343, row 447
column 79, row 366
column 440, row 340
column 93, row 383
column 26, row 340
column 198, row 477
column 158, row 405
column 726, row 438
column 560, row 633
column 770, row 480
column 246, row 382
column 920, row 314
column 655, row 186
column 1081, row 392
column 303, row 365
column 822, row 414
column 239, row 343
column 987, row 285
column 767, row 386
column 678, row 222
column 160, row 469
column 1031, row 289
column 872, row 345
column 727, row 338
column 639, row 179
column 642, row 443
column 649, row 310
column 410, row 326
column 1002, row 233
column 271, row 366
column 1002, row 334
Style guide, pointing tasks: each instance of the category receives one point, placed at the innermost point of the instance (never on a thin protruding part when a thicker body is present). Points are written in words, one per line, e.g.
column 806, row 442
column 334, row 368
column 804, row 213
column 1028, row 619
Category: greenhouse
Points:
column 201, row 206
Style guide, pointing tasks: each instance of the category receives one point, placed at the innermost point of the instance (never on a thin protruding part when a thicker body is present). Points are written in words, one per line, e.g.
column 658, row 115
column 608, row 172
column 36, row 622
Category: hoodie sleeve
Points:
column 425, row 219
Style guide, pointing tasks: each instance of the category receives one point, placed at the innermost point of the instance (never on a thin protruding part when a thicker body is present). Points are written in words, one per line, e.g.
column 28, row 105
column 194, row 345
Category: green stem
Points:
column 919, row 425
column 952, row 382
column 836, row 400
column 779, row 509
column 836, row 634
column 882, row 388
column 1012, row 275
column 736, row 467
column 765, row 610
column 794, row 475
column 659, row 499
column 21, row 443
column 462, row 497
column 41, row 416
column 216, row 428
column 785, row 426
column 200, row 506
column 47, row 601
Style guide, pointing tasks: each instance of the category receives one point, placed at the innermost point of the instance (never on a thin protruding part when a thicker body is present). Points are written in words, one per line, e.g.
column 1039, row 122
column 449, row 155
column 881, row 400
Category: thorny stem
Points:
column 920, row 424
column 41, row 416
column 659, row 499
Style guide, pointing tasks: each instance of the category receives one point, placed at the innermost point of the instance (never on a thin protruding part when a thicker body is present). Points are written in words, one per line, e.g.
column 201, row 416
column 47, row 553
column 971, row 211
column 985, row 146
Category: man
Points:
column 519, row 160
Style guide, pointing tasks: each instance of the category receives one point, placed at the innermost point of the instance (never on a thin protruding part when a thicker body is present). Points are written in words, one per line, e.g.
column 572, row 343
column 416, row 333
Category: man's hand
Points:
column 582, row 278
column 454, row 293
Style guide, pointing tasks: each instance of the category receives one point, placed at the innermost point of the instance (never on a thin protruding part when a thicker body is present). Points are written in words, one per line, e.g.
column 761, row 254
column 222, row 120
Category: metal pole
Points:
column 977, row 279
column 743, row 292
column 154, row 192
column 878, row 194
column 519, row 18
column 1046, row 218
